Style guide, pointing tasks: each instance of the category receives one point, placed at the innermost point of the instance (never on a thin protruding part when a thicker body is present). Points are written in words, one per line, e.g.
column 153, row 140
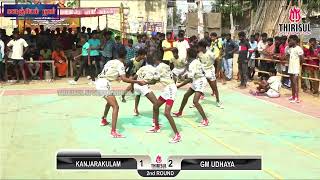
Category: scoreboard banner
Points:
column 153, row 167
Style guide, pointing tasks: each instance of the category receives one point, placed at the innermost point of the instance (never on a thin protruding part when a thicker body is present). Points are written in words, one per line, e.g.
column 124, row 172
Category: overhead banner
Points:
column 31, row 10
column 88, row 12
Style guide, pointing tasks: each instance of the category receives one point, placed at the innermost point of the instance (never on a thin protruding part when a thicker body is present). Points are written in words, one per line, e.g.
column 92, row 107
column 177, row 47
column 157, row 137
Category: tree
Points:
column 176, row 17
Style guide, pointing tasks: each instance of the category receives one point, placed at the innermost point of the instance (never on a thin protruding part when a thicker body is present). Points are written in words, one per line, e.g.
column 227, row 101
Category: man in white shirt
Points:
column 262, row 44
column 19, row 48
column 270, row 88
column 182, row 45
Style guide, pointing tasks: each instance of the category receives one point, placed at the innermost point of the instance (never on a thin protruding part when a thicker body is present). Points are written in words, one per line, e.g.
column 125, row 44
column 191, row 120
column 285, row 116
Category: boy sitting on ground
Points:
column 270, row 88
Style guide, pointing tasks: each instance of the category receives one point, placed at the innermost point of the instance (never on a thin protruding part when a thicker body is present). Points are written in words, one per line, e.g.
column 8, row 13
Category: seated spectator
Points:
column 33, row 55
column 46, row 54
column 60, row 61
column 270, row 88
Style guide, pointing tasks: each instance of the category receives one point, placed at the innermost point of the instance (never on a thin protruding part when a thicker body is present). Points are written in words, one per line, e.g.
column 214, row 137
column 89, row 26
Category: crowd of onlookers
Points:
column 65, row 46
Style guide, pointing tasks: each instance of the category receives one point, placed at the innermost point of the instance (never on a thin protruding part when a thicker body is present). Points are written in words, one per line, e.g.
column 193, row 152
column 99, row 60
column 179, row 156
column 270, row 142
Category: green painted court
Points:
column 35, row 124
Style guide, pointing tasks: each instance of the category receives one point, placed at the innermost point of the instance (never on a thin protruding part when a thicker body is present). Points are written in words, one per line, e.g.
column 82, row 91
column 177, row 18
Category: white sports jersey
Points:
column 196, row 70
column 165, row 74
column 207, row 59
column 147, row 73
column 112, row 70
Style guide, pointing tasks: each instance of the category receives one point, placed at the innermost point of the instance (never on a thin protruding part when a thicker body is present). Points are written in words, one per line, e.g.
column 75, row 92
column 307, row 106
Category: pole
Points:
column 200, row 17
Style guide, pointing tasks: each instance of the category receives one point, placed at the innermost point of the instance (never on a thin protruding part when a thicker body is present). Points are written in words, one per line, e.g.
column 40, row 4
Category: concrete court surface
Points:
column 36, row 123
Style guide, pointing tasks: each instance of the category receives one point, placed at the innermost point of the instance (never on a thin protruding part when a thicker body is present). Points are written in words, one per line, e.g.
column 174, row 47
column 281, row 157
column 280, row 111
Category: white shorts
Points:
column 210, row 74
column 177, row 71
column 169, row 92
column 141, row 90
column 272, row 93
column 199, row 84
column 103, row 86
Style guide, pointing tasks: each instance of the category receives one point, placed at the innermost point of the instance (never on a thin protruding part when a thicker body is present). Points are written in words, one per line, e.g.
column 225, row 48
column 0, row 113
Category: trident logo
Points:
column 158, row 159
column 295, row 15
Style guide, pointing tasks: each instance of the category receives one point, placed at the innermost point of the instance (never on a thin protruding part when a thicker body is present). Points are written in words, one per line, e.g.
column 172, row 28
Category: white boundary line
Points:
column 2, row 92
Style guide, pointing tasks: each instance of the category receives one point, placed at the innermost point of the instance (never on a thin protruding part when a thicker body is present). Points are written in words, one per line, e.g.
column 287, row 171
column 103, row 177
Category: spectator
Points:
column 270, row 88
column 68, row 40
column 182, row 45
column 2, row 60
column 268, row 53
column 107, row 47
column 19, row 48
column 207, row 38
column 311, row 54
column 284, row 67
column 60, row 61
column 167, row 46
column 261, row 47
column 244, row 47
column 295, row 56
column 230, row 47
column 95, row 45
column 116, row 47
column 33, row 55
column 252, row 54
column 217, row 49
column 140, row 44
column 130, row 51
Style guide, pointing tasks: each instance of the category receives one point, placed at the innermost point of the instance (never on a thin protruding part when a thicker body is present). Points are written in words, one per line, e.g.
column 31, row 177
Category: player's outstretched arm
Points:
column 184, row 83
column 128, row 80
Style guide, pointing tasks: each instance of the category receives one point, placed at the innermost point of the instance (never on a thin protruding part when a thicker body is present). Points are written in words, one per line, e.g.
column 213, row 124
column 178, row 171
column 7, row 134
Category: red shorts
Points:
column 169, row 102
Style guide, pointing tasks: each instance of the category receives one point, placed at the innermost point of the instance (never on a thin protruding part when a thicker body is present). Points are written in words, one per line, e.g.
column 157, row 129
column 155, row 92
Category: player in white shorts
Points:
column 167, row 96
column 145, row 73
column 206, row 57
column 112, row 71
column 199, row 82
column 179, row 64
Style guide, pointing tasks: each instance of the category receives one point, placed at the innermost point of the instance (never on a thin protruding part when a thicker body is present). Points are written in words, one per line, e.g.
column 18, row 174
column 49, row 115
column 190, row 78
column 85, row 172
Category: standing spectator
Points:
column 86, row 62
column 268, row 54
column 244, row 47
column 167, row 46
column 182, row 45
column 130, row 51
column 33, row 55
column 217, row 49
column 311, row 54
column 295, row 56
column 117, row 47
column 89, row 33
column 139, row 44
column 261, row 47
column 60, row 61
column 207, row 38
column 2, row 61
column 230, row 47
column 107, row 47
column 68, row 40
column 19, row 48
column 252, row 54
column 284, row 66
column 95, row 44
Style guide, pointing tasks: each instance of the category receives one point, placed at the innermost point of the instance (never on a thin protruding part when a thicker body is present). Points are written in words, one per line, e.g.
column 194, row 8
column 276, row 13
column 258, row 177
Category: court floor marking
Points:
column 288, row 143
column 2, row 92
column 231, row 148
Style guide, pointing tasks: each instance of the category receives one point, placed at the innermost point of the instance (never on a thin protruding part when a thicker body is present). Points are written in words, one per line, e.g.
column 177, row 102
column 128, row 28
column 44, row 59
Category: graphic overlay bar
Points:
column 222, row 163
column 31, row 10
column 90, row 160
column 158, row 167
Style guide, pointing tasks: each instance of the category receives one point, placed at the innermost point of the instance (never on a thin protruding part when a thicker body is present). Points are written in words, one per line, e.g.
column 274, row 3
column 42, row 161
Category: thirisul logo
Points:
column 295, row 15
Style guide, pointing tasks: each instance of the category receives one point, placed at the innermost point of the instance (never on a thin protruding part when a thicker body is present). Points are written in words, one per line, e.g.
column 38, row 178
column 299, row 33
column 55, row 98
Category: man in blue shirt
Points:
column 230, row 47
column 107, row 48
column 95, row 44
column 117, row 47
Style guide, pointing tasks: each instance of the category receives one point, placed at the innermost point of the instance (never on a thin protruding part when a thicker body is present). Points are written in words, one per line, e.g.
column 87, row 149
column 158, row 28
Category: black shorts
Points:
column 18, row 62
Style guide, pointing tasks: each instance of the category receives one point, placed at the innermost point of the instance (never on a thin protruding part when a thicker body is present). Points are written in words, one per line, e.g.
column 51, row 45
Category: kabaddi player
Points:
column 113, row 70
column 132, row 67
column 167, row 96
column 145, row 73
column 199, row 82
column 179, row 65
column 206, row 57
